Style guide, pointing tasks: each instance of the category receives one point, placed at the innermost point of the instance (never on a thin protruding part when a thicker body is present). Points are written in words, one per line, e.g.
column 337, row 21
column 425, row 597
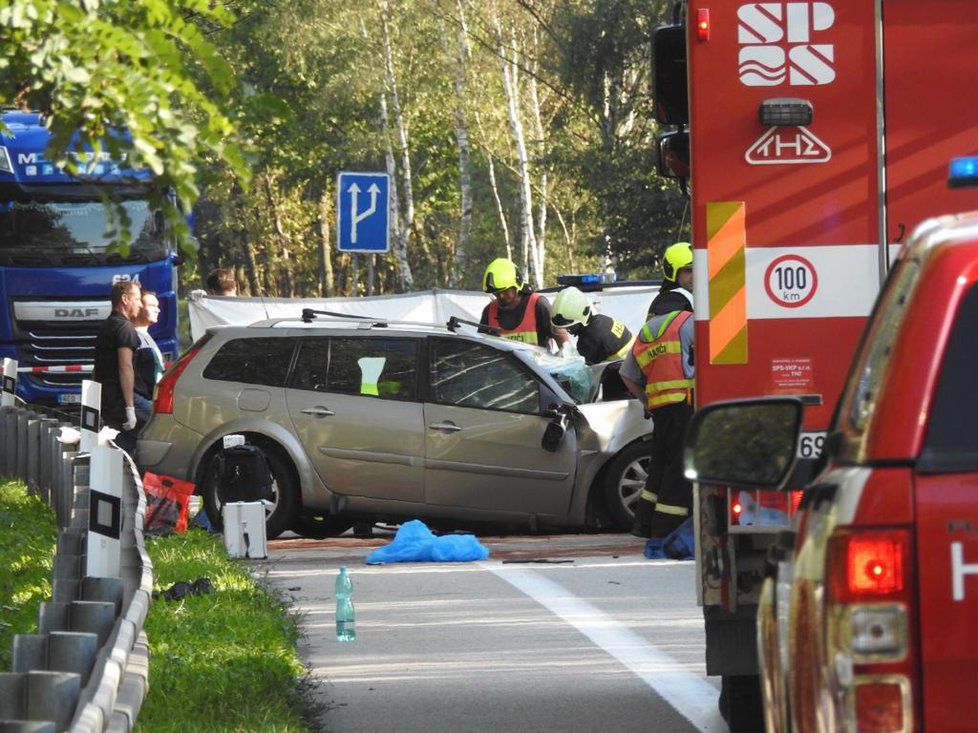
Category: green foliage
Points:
column 225, row 661
column 28, row 535
column 146, row 66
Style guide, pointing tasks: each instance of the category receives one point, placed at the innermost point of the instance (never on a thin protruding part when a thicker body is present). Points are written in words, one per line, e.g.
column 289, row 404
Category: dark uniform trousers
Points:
column 668, row 497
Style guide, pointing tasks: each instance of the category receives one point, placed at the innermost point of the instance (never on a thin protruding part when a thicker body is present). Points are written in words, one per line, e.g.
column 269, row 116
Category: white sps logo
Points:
column 776, row 44
column 959, row 569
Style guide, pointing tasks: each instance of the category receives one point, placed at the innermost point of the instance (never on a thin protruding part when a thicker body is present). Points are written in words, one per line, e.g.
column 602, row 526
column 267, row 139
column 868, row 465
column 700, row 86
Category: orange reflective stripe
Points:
column 726, row 254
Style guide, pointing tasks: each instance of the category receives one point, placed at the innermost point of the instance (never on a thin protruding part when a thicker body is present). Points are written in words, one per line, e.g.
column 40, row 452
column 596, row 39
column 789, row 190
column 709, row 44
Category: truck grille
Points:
column 44, row 344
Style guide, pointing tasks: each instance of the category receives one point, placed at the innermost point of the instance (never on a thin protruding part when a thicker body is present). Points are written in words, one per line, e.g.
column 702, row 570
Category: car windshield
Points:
column 76, row 228
column 570, row 373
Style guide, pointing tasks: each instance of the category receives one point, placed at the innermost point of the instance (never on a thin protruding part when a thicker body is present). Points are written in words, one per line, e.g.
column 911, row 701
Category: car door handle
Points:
column 318, row 412
column 448, row 427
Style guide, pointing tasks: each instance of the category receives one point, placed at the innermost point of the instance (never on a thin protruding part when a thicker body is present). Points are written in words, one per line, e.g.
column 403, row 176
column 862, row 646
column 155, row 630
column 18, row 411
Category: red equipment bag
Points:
column 167, row 502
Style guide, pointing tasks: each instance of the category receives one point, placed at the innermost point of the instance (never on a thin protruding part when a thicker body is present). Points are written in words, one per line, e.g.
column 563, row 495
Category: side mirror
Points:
column 672, row 155
column 553, row 436
column 745, row 444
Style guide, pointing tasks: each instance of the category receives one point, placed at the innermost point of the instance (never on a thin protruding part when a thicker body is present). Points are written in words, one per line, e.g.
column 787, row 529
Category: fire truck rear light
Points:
column 869, row 564
column 703, row 24
column 878, row 632
column 786, row 111
column 882, row 705
column 875, row 565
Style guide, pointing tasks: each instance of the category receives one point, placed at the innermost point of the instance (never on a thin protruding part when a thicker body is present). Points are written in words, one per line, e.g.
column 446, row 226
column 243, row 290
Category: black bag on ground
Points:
column 243, row 474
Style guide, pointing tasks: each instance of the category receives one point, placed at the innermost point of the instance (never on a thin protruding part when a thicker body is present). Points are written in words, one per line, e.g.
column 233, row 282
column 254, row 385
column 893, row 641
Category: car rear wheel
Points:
column 624, row 481
column 279, row 516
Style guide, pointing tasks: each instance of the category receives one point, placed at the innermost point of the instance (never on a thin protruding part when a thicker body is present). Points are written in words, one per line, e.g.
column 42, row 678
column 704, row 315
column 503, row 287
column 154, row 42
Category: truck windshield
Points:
column 60, row 228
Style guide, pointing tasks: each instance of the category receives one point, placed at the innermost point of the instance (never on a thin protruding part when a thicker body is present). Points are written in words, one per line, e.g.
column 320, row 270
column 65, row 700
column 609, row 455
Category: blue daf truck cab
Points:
column 57, row 262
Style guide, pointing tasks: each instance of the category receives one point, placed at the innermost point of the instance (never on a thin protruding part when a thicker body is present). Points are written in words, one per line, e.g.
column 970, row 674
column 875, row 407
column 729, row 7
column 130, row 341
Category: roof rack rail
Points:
column 454, row 322
column 309, row 315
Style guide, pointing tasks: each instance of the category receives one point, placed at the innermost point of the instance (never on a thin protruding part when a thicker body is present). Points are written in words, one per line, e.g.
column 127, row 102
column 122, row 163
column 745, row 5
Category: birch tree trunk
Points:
column 327, row 285
column 511, row 87
column 400, row 124
column 500, row 211
column 541, row 147
column 287, row 282
column 461, row 56
column 247, row 249
column 405, row 279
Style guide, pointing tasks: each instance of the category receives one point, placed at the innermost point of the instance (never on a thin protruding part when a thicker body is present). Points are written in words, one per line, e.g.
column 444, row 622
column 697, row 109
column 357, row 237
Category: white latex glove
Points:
column 130, row 422
column 194, row 295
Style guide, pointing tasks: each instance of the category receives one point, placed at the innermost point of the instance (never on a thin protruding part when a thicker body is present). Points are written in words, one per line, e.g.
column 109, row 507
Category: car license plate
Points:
column 71, row 398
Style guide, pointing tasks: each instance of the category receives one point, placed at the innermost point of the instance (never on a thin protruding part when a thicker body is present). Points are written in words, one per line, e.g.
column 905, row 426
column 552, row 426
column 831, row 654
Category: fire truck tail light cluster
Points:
column 871, row 608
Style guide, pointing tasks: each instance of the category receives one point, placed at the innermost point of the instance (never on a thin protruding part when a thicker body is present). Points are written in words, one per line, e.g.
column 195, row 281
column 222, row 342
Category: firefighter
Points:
column 676, row 291
column 599, row 337
column 659, row 371
column 519, row 313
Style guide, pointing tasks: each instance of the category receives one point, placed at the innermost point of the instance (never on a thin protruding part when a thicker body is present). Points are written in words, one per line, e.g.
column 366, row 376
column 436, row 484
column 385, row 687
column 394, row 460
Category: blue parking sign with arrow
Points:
column 363, row 212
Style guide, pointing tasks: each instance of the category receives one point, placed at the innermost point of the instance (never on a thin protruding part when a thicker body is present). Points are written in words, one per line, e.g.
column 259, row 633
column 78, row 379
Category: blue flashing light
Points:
column 963, row 172
column 589, row 281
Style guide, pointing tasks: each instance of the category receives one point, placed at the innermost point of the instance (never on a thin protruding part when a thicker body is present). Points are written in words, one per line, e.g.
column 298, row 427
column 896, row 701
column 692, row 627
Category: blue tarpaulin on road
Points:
column 414, row 542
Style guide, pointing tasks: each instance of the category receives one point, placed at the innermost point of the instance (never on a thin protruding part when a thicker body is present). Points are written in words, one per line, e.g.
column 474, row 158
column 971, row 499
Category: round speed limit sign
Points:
column 790, row 281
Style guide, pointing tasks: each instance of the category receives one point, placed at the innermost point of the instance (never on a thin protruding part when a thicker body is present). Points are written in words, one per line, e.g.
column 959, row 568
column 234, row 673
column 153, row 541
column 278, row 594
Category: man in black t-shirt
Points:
column 599, row 337
column 115, row 350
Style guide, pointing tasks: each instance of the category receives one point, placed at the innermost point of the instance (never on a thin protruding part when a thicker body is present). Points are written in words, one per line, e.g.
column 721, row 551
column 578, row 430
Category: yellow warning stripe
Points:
column 727, row 271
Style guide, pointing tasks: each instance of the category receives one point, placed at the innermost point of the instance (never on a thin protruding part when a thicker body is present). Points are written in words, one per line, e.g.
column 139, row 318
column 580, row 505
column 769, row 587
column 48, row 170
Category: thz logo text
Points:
column 776, row 44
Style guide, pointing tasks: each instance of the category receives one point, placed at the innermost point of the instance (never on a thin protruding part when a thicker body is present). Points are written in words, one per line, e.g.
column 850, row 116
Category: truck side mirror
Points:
column 669, row 75
column 744, row 443
column 672, row 155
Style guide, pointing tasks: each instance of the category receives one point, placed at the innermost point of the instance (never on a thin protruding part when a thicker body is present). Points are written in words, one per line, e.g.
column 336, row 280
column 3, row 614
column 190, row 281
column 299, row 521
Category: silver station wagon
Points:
column 368, row 420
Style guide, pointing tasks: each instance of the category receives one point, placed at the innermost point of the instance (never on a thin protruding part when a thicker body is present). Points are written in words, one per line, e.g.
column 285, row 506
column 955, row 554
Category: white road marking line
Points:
column 691, row 696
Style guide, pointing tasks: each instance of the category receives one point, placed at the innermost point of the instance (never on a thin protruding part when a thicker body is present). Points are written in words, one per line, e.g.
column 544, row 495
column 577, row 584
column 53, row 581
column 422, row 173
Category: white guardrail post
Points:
column 104, row 487
column 9, row 398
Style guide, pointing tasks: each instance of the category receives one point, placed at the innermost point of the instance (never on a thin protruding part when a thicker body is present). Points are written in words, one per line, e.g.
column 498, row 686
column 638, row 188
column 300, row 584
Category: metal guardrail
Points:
column 86, row 669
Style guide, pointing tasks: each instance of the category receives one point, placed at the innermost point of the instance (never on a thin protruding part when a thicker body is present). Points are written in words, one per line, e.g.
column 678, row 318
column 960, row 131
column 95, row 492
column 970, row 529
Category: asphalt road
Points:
column 605, row 640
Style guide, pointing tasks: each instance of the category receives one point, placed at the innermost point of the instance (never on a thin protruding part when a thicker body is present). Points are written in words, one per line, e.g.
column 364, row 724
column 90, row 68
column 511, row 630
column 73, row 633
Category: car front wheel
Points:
column 624, row 481
column 279, row 516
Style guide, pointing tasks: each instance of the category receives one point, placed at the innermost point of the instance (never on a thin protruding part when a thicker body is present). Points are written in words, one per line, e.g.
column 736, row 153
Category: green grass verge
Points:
column 225, row 661
column 28, row 535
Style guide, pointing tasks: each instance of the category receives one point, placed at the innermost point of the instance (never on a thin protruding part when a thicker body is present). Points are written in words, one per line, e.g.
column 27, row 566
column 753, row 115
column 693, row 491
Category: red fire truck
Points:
column 819, row 135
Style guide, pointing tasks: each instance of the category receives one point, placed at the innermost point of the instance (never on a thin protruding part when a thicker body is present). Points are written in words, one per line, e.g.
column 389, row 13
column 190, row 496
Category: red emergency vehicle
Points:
column 867, row 617
column 819, row 135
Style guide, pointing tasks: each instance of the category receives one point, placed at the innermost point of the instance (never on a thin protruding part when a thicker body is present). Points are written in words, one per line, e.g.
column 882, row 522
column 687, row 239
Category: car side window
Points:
column 467, row 374
column 951, row 445
column 377, row 367
column 310, row 367
column 263, row 361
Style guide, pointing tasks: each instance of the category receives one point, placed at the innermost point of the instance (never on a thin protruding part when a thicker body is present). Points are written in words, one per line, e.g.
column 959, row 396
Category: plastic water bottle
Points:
column 345, row 619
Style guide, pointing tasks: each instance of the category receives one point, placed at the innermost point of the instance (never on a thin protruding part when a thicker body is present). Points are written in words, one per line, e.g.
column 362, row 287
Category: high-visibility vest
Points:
column 526, row 330
column 660, row 356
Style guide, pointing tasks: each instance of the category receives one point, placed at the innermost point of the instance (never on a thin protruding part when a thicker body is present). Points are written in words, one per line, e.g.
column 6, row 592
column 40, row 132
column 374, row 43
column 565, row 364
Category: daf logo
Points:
column 75, row 312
